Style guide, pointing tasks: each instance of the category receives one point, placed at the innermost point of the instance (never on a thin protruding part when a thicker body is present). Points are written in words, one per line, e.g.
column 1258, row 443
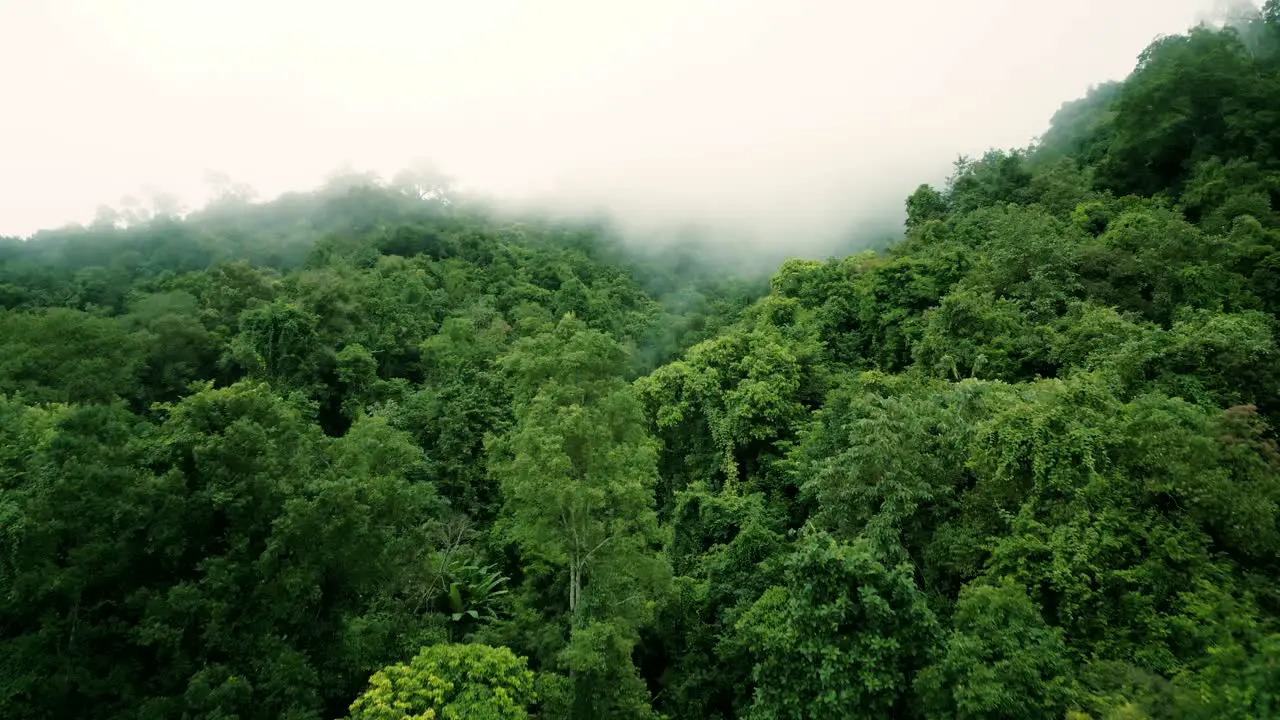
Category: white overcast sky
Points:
column 795, row 113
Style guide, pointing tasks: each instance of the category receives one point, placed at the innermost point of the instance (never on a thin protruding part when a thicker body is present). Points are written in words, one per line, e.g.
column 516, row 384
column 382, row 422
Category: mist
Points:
column 790, row 125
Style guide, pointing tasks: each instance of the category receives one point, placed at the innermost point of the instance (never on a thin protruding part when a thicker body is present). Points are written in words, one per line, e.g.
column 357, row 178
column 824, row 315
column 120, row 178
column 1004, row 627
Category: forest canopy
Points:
column 374, row 452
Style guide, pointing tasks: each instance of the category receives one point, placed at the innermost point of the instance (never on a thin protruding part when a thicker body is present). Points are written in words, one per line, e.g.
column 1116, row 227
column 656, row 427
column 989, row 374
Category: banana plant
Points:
column 473, row 592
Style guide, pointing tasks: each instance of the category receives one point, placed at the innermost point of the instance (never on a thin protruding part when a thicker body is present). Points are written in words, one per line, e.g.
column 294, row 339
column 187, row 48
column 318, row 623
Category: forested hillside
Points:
column 373, row 452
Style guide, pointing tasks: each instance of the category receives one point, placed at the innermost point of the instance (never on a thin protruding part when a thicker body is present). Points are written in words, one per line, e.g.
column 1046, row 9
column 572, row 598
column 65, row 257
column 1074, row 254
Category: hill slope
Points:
column 266, row 460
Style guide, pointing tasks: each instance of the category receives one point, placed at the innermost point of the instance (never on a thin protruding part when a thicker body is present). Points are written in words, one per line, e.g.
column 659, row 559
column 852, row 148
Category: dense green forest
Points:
column 377, row 452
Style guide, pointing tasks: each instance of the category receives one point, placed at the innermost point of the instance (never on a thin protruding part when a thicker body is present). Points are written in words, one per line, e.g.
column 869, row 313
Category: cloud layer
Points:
column 790, row 120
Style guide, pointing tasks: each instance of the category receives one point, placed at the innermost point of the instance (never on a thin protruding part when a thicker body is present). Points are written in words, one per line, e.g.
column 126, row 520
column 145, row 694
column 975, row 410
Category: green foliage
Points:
column 1152, row 262
column 1028, row 256
column 999, row 660
column 232, row 546
column 1192, row 97
column 733, row 396
column 887, row 458
column 925, row 204
column 997, row 178
column 728, row 550
column 473, row 592
column 1021, row 463
column 842, row 637
column 59, row 355
column 973, row 334
column 180, row 350
column 449, row 682
column 577, row 473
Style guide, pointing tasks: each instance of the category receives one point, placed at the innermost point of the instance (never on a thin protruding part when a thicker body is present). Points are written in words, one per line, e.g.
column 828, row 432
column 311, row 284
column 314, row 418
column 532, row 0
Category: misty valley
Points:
column 389, row 450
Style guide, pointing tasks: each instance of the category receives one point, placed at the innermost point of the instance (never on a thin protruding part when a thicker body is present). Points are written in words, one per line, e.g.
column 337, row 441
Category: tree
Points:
column 1238, row 681
column 1021, row 463
column 179, row 349
column 462, row 397
column 357, row 372
column 75, row 520
column 577, row 474
column 995, row 178
column 886, row 458
column 976, row 334
column 840, row 639
column 728, row 550
column 60, row 355
column 279, row 341
column 925, row 204
column 450, row 682
column 578, row 492
column 1028, row 256
column 731, row 399
column 1152, row 261
column 229, row 561
column 999, row 660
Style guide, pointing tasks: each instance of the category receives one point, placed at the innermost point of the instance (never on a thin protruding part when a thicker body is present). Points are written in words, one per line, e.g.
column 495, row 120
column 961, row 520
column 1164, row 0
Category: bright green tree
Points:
column 577, row 473
column 450, row 682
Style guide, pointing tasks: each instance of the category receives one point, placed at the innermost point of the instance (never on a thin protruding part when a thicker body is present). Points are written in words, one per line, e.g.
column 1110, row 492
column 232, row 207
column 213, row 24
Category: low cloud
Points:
column 785, row 125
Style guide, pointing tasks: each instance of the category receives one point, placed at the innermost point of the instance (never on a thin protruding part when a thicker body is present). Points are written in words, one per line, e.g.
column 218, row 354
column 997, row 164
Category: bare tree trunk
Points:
column 575, row 589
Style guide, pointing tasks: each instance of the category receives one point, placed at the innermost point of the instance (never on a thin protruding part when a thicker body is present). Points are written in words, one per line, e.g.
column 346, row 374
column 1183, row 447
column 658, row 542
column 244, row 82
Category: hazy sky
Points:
column 797, row 114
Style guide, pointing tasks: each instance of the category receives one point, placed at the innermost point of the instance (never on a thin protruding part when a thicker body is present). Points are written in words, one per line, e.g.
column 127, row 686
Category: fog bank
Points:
column 788, row 121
